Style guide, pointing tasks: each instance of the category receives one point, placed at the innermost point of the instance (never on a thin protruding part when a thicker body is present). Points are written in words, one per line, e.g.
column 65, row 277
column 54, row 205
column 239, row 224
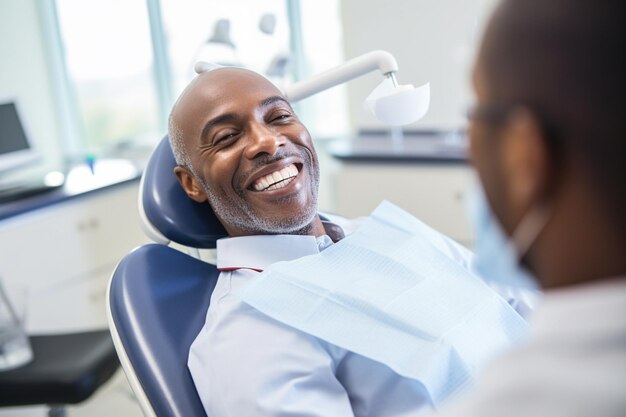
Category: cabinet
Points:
column 63, row 254
column 427, row 174
column 434, row 193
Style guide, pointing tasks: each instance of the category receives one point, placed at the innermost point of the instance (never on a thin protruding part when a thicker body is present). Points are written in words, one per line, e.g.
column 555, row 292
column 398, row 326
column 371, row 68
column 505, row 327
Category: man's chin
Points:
column 288, row 213
column 245, row 220
column 300, row 224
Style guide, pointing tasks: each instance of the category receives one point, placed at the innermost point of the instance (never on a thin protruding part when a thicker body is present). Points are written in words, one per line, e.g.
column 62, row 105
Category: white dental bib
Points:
column 397, row 292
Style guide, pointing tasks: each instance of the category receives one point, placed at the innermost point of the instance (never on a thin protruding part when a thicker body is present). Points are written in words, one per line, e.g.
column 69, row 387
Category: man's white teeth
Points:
column 277, row 179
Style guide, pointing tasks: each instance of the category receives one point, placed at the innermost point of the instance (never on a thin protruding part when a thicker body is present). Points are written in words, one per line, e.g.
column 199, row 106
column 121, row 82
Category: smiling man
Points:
column 241, row 148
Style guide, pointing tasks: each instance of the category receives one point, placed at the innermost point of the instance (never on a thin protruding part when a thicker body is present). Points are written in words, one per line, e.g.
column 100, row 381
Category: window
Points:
column 120, row 64
column 253, row 34
column 109, row 61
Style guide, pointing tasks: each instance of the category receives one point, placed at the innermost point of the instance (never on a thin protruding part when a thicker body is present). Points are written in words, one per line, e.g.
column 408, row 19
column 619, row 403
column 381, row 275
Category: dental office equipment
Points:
column 156, row 288
column 391, row 103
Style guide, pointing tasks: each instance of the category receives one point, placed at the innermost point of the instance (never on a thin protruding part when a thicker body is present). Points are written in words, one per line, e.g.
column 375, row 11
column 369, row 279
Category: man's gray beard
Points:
column 239, row 214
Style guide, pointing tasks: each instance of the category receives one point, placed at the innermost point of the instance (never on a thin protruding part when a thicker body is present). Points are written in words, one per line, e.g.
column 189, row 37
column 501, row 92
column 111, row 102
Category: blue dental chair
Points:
column 158, row 296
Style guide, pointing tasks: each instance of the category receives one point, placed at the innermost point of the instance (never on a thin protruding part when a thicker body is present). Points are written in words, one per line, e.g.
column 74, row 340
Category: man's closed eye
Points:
column 223, row 138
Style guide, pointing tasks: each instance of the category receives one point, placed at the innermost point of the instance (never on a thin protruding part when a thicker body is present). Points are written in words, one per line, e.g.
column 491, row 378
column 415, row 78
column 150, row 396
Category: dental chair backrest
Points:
column 167, row 213
column 158, row 296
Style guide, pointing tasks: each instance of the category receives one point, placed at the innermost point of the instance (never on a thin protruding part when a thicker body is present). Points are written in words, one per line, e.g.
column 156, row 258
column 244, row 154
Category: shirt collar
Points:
column 259, row 252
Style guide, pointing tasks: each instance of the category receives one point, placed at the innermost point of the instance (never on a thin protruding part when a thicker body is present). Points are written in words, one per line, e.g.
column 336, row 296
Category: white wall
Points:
column 433, row 40
column 24, row 74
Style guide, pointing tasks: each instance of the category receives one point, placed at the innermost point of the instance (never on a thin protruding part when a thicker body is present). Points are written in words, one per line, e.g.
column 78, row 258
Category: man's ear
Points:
column 190, row 184
column 525, row 158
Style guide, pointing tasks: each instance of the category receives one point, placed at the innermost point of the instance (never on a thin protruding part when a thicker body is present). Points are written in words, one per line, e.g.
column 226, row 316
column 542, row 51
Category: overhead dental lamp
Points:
column 392, row 104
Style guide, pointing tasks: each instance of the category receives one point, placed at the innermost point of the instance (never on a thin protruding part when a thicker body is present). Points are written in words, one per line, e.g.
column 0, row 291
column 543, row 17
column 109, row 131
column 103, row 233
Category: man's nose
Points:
column 263, row 140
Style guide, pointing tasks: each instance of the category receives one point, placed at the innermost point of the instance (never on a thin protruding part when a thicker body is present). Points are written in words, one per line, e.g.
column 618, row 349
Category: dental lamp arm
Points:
column 351, row 69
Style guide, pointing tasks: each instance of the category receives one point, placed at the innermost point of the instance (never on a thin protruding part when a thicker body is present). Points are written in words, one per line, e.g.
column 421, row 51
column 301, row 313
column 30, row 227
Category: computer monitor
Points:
column 15, row 146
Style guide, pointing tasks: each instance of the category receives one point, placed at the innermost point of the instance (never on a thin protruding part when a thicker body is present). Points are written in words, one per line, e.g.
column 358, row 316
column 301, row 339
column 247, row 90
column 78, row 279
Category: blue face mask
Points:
column 497, row 257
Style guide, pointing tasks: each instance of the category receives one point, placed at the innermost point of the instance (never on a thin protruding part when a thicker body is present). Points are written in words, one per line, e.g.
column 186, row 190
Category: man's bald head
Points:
column 176, row 125
column 565, row 60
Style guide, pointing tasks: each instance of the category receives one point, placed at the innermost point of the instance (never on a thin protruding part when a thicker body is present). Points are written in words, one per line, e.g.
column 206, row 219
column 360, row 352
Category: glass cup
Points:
column 15, row 349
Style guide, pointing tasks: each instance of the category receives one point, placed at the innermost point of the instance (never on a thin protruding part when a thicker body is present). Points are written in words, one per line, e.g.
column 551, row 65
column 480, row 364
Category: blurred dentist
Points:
column 548, row 140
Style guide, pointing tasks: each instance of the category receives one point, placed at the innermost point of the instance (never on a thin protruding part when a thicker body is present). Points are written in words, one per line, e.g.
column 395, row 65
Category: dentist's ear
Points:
column 190, row 184
column 526, row 159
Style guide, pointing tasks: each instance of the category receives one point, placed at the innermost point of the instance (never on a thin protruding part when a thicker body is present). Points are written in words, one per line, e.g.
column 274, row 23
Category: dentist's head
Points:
column 547, row 135
column 241, row 147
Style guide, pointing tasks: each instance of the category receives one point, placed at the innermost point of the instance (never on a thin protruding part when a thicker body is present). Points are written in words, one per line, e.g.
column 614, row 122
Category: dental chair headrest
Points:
column 167, row 213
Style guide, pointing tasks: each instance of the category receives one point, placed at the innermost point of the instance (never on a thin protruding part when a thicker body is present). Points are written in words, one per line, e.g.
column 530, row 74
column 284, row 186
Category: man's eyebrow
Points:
column 273, row 99
column 223, row 118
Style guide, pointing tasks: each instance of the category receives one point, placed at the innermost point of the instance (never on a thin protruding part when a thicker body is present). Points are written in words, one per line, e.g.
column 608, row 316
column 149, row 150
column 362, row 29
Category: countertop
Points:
column 413, row 147
column 79, row 181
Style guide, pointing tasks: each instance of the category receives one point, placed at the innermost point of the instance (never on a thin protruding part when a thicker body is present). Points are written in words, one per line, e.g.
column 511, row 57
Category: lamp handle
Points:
column 356, row 67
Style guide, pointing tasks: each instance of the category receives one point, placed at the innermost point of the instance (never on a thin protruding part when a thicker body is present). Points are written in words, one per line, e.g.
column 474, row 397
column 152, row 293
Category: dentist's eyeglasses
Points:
column 498, row 113
column 494, row 113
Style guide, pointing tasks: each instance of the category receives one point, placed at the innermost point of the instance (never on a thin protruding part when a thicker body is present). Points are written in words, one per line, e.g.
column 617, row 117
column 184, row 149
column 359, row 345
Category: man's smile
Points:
column 275, row 176
column 276, row 179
